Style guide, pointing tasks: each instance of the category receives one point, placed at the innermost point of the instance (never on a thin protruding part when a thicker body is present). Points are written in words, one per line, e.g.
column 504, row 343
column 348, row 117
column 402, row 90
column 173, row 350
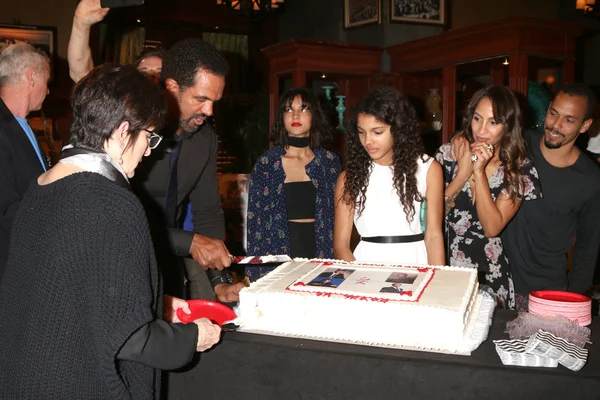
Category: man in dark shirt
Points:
column 538, row 239
column 194, row 75
column 194, row 90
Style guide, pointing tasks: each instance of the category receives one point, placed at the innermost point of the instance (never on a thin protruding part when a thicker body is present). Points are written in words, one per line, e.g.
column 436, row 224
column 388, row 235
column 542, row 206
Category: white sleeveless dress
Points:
column 383, row 216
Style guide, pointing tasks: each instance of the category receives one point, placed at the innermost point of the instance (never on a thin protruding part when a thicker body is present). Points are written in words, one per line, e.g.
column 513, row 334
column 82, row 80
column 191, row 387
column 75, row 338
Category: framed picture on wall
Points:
column 40, row 37
column 418, row 11
column 361, row 12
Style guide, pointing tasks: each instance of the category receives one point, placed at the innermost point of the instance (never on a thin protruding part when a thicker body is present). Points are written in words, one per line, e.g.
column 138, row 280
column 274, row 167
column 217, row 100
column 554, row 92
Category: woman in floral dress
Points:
column 487, row 175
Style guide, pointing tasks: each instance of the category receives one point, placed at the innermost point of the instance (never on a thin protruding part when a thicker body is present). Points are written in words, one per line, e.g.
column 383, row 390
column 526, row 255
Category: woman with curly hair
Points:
column 387, row 179
column 485, row 185
column 290, row 200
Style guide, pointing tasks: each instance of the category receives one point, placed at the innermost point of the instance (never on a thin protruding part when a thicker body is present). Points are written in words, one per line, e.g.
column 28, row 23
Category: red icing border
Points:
column 363, row 297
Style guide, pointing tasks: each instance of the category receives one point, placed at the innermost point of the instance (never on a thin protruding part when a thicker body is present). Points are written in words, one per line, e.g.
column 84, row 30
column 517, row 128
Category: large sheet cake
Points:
column 431, row 308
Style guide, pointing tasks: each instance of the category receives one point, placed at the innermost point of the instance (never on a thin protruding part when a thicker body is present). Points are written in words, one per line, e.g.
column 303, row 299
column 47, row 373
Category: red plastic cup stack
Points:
column 570, row 305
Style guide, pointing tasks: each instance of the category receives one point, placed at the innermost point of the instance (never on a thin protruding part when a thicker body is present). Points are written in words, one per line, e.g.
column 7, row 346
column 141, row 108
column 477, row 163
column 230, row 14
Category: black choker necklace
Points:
column 299, row 141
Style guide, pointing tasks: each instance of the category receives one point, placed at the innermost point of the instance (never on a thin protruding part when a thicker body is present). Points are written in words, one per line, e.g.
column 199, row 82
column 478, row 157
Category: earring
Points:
column 121, row 158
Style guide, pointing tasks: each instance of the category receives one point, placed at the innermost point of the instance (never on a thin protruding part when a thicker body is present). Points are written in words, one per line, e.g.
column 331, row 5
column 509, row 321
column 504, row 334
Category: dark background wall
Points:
column 312, row 19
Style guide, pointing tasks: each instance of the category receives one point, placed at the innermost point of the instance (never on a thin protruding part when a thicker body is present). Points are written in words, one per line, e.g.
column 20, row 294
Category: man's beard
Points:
column 189, row 125
column 551, row 145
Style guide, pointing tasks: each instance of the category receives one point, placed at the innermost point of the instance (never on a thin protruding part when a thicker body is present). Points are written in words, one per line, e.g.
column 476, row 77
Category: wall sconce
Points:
column 505, row 61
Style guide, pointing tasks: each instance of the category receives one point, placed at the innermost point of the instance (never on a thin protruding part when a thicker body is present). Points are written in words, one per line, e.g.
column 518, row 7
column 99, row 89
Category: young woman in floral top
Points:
column 485, row 185
column 290, row 200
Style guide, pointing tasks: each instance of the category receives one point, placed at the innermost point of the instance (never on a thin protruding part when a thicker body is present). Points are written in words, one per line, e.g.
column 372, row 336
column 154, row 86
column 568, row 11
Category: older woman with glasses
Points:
column 81, row 297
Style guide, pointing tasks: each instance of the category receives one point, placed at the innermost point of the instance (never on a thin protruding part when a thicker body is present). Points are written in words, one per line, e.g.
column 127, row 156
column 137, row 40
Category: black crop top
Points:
column 300, row 198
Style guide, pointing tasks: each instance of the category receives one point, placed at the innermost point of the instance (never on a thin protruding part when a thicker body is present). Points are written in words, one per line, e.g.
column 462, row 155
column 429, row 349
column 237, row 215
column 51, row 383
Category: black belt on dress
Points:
column 394, row 239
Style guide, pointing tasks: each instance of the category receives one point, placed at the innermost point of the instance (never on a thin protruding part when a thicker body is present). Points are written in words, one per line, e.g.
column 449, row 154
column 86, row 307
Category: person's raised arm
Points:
column 79, row 54
column 493, row 215
column 343, row 223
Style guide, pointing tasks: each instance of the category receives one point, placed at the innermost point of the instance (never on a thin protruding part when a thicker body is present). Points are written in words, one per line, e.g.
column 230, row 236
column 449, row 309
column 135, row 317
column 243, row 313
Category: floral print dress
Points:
column 466, row 242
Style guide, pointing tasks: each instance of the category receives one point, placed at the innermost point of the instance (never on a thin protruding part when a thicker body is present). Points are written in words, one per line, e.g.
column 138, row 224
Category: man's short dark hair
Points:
column 110, row 95
column 581, row 90
column 185, row 58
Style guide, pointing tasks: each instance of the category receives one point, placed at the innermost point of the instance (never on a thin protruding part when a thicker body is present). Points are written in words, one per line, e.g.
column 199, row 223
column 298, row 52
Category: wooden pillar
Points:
column 518, row 73
column 448, row 101
column 497, row 73
column 273, row 99
column 299, row 78
column 400, row 82
column 568, row 70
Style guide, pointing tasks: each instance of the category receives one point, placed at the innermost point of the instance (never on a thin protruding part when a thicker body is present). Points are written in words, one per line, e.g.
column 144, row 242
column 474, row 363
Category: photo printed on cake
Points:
column 402, row 277
column 394, row 288
column 331, row 277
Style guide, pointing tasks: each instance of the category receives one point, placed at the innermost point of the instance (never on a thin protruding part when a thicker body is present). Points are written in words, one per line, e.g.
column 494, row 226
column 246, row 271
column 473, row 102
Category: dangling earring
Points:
column 121, row 158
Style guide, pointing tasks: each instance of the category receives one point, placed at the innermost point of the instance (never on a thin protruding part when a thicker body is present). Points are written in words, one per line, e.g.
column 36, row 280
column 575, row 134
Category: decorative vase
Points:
column 433, row 107
column 340, row 108
column 328, row 91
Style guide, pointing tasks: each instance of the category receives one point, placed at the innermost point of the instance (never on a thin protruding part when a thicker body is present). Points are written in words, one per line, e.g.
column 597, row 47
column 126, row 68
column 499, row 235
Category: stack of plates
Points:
column 553, row 302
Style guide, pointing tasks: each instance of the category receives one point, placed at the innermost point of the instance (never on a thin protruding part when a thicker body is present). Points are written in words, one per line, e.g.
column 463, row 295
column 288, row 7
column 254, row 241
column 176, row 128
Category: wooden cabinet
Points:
column 525, row 44
column 354, row 67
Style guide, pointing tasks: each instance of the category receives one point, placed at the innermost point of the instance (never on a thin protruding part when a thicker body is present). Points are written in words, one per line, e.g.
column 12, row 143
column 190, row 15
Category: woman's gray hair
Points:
column 17, row 58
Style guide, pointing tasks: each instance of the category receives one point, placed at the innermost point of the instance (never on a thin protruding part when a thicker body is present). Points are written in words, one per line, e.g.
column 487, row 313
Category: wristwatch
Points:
column 448, row 204
column 219, row 277
column 449, row 201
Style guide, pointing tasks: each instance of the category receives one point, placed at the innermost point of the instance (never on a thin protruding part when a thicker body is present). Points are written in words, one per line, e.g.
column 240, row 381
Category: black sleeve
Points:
column 10, row 199
column 181, row 241
column 207, row 213
column 162, row 345
column 587, row 241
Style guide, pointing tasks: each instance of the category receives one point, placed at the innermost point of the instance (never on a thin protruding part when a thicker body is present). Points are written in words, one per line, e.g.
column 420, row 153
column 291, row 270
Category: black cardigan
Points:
column 80, row 281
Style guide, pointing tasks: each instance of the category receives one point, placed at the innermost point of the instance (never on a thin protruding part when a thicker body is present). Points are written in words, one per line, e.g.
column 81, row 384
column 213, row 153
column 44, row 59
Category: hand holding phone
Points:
column 89, row 12
column 121, row 3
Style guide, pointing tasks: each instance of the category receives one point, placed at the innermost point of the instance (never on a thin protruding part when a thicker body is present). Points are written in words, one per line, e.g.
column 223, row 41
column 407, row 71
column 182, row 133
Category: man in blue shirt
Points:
column 24, row 74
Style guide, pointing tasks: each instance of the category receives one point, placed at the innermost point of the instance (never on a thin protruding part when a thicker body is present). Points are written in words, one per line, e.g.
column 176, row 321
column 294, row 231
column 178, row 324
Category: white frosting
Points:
column 434, row 316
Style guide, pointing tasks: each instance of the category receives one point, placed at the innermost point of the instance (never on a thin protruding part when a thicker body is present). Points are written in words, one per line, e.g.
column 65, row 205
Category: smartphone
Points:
column 120, row 3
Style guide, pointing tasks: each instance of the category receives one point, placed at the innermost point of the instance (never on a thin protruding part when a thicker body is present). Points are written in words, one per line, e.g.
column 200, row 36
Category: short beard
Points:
column 184, row 125
column 550, row 145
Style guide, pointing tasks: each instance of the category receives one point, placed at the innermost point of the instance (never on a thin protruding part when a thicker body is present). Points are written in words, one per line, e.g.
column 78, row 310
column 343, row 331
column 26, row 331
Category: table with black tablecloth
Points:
column 251, row 366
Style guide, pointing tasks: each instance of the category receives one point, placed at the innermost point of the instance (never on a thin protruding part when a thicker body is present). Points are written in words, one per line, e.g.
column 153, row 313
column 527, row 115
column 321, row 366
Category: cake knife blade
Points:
column 259, row 261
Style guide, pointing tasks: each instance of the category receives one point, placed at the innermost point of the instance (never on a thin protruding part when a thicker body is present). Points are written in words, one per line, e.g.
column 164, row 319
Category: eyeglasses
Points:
column 154, row 139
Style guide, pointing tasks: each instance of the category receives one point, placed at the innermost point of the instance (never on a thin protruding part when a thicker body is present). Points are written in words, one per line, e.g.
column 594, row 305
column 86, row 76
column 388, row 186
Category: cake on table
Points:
column 431, row 308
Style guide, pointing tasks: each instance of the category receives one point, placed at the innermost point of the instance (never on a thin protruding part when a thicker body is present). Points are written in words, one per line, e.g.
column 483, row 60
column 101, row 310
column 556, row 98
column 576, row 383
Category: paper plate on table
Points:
column 574, row 306
column 557, row 295
column 216, row 312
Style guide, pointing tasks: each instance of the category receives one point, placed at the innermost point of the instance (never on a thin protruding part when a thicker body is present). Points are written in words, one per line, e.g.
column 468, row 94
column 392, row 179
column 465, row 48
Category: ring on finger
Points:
column 474, row 158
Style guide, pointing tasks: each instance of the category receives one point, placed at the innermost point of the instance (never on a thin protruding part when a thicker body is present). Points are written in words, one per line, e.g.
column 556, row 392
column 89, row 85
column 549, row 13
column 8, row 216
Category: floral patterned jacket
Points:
column 267, row 215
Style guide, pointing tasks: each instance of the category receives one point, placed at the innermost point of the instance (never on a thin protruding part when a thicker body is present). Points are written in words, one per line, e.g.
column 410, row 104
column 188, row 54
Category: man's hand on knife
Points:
column 210, row 253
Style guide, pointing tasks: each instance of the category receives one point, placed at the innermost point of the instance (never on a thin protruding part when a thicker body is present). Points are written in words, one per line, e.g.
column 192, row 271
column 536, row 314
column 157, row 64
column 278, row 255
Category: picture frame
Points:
column 40, row 37
column 358, row 13
column 418, row 11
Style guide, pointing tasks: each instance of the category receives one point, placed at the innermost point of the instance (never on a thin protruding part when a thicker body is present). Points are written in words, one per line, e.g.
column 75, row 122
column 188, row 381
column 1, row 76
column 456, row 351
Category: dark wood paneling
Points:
column 355, row 66
column 527, row 42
